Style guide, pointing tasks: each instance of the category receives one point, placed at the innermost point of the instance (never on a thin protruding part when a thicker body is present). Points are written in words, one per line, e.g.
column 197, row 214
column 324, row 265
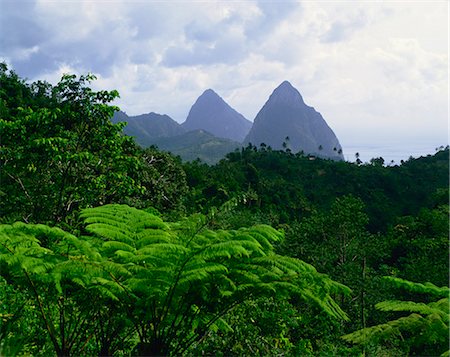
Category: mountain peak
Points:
column 286, row 84
column 211, row 113
column 210, row 97
column 285, row 114
column 285, row 93
column 209, row 91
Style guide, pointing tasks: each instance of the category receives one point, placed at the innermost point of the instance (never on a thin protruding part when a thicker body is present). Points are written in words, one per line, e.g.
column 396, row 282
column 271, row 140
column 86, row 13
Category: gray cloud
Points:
column 18, row 29
column 21, row 38
column 348, row 61
column 201, row 31
column 341, row 30
column 37, row 63
column 206, row 43
column 225, row 50
column 272, row 13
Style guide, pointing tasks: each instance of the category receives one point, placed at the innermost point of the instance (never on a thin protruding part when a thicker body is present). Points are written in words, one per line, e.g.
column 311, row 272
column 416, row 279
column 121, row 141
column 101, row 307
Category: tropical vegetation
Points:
column 110, row 249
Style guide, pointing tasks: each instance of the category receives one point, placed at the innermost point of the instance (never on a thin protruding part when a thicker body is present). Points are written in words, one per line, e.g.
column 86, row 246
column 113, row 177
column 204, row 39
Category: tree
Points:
column 64, row 280
column 423, row 332
column 182, row 279
column 60, row 153
column 419, row 246
column 337, row 242
column 163, row 182
column 378, row 161
column 166, row 284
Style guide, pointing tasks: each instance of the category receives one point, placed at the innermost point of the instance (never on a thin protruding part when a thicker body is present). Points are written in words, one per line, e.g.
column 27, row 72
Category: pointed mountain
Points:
column 147, row 127
column 212, row 114
column 285, row 121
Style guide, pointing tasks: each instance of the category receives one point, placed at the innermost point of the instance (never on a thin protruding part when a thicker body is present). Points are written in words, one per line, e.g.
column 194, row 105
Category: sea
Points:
column 392, row 153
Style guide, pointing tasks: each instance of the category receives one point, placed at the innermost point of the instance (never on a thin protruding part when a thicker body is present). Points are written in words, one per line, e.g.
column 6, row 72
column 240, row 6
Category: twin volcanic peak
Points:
column 285, row 121
column 211, row 113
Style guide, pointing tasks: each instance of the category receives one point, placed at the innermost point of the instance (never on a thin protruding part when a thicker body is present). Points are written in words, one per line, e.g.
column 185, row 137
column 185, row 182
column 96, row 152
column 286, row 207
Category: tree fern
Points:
column 166, row 283
column 61, row 274
column 175, row 267
column 427, row 323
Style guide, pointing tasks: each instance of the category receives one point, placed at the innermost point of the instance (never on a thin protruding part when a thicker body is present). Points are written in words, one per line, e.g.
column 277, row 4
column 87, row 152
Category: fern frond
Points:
column 428, row 323
column 200, row 274
column 114, row 245
column 108, row 232
column 168, row 266
column 410, row 306
column 426, row 288
column 163, row 249
column 225, row 250
column 149, row 237
column 385, row 331
column 265, row 235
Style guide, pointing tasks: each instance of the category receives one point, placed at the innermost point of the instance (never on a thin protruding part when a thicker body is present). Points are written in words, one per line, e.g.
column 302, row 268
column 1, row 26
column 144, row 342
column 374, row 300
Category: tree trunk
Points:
column 154, row 348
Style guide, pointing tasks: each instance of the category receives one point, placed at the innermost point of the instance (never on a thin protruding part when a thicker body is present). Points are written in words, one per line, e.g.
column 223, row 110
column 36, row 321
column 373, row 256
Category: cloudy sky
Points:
column 376, row 70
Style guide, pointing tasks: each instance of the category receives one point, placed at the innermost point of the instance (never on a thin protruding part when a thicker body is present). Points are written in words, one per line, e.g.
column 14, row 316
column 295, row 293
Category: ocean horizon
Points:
column 390, row 152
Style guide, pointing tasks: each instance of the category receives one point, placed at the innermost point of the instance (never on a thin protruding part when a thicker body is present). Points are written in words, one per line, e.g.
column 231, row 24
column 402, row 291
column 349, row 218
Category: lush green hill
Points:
column 145, row 128
column 197, row 144
column 289, row 186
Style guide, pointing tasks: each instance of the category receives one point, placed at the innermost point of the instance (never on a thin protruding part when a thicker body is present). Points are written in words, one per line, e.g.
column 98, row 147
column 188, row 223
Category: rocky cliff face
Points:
column 285, row 121
column 212, row 114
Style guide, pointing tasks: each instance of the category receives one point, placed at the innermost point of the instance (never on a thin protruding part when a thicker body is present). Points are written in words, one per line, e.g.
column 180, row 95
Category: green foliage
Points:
column 57, row 275
column 163, row 181
column 60, row 152
column 288, row 187
column 424, row 331
column 181, row 279
column 419, row 246
column 262, row 326
column 196, row 144
column 338, row 243
column 165, row 284
column 127, row 282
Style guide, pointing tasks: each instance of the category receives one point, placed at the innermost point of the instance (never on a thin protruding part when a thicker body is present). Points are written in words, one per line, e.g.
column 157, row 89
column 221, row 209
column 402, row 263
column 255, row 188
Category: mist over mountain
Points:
column 285, row 121
column 211, row 113
column 145, row 128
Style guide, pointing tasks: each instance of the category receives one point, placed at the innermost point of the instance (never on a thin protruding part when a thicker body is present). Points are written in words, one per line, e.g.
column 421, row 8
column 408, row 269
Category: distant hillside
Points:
column 212, row 114
column 146, row 127
column 197, row 144
column 286, row 121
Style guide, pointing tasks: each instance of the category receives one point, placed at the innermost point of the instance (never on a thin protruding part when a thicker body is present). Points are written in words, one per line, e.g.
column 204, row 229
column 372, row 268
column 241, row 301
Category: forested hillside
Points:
column 111, row 250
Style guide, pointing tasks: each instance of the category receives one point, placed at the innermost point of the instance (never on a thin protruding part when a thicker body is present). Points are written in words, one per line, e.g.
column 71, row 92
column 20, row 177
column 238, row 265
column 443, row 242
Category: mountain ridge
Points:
column 285, row 122
column 197, row 144
column 146, row 127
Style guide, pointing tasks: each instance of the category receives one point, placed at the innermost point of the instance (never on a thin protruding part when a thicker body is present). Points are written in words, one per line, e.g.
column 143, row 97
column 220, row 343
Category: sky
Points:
column 377, row 71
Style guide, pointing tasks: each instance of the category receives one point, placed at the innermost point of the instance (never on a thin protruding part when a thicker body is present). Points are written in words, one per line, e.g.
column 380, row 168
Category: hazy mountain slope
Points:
column 197, row 144
column 146, row 127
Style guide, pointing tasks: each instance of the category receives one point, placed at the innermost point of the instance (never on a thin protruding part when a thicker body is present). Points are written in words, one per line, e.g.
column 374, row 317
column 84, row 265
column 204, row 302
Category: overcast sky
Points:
column 376, row 70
